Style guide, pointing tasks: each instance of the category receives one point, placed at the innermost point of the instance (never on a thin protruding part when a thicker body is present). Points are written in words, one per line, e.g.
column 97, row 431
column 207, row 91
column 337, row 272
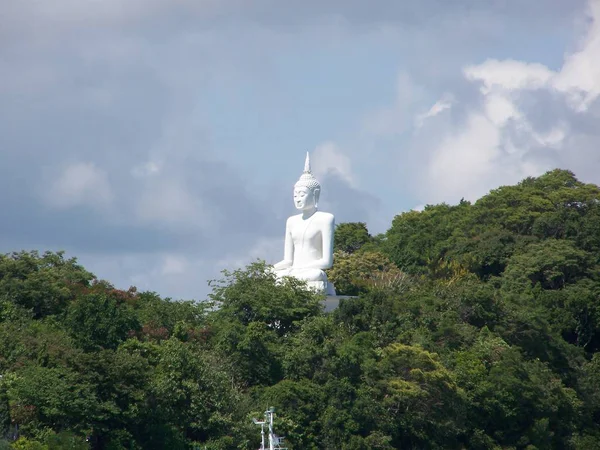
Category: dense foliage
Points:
column 474, row 326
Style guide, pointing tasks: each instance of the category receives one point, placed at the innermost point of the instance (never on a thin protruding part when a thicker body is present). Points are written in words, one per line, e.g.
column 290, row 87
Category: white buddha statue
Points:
column 308, row 237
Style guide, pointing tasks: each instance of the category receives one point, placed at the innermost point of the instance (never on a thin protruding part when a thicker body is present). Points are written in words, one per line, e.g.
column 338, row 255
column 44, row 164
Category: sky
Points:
column 158, row 141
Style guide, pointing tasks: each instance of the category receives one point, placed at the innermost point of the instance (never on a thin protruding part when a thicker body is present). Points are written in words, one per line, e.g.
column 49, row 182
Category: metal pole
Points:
column 271, row 437
column 262, row 433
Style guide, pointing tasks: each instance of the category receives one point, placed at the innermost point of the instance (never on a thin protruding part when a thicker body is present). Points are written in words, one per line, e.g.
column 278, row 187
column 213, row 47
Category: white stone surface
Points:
column 308, row 248
column 331, row 302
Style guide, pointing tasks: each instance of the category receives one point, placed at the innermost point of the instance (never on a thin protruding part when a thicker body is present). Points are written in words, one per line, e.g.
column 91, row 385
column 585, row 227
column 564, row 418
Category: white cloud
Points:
column 508, row 74
column 579, row 77
column 173, row 265
column 328, row 158
column 265, row 248
column 398, row 117
column 499, row 109
column 461, row 161
column 170, row 274
column 146, row 169
column 178, row 274
column 524, row 122
column 438, row 107
column 168, row 202
column 79, row 184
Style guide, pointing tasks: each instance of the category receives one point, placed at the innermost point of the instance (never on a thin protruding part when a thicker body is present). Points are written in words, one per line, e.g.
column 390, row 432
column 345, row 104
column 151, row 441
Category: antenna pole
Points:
column 274, row 440
column 271, row 437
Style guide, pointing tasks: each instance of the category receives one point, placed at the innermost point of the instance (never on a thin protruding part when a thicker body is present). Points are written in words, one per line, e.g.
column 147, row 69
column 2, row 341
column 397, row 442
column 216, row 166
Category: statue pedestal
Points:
column 322, row 286
column 331, row 302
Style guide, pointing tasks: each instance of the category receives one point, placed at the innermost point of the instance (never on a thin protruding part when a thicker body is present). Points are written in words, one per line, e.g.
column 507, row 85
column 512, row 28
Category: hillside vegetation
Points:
column 474, row 326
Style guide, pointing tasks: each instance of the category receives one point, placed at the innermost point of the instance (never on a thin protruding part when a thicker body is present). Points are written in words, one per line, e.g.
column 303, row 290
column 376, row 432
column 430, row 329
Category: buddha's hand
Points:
column 282, row 265
column 312, row 266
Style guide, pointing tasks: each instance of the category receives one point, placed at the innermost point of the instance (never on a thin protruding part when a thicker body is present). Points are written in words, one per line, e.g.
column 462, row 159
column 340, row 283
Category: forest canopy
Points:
column 468, row 326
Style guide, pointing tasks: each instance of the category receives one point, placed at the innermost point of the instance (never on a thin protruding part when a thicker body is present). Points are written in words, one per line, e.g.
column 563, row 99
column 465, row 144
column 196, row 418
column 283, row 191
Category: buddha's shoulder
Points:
column 320, row 216
column 324, row 216
column 293, row 219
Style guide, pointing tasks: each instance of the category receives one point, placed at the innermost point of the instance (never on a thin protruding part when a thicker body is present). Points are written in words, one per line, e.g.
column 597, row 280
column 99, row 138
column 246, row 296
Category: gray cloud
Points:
column 348, row 203
column 517, row 119
column 105, row 144
column 275, row 13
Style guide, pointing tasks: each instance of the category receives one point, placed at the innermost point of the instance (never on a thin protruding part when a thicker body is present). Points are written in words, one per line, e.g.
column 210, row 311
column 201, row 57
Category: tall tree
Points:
column 351, row 236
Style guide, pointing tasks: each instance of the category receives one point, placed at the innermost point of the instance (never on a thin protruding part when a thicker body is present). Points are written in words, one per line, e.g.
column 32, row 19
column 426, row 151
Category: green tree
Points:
column 54, row 398
column 353, row 273
column 43, row 284
column 4, row 410
column 485, row 254
column 425, row 406
column 193, row 393
column 101, row 319
column 66, row 441
column 513, row 401
column 162, row 317
column 415, row 239
column 552, row 263
column 349, row 237
column 297, row 404
column 253, row 295
column 28, row 444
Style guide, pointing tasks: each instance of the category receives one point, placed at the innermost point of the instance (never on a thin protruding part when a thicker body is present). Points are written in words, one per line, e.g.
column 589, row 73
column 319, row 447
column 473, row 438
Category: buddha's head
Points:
column 307, row 189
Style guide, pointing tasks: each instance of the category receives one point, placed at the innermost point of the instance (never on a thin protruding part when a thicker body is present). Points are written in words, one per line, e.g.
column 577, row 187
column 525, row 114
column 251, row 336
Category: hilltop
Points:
column 474, row 325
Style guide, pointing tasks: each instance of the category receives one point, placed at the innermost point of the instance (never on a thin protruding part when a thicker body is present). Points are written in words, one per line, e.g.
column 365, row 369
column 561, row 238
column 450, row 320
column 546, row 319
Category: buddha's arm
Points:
column 288, row 252
column 327, row 231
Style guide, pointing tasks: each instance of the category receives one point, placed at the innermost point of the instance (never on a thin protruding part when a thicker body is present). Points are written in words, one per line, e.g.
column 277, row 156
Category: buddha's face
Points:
column 304, row 198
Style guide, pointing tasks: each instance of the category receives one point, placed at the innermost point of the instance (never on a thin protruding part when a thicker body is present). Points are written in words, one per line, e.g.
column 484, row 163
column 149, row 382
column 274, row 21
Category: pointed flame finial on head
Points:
column 307, row 179
column 307, row 163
